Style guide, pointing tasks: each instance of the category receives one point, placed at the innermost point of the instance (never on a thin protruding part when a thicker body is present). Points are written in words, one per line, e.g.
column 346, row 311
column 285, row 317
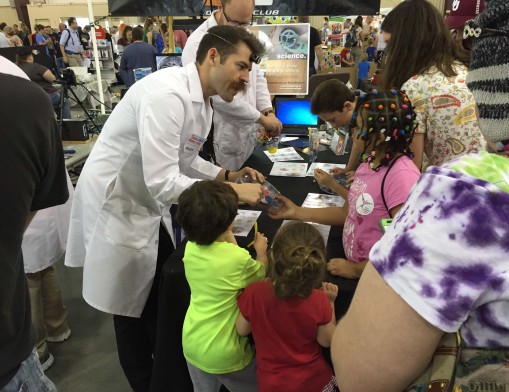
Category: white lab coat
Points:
column 146, row 155
column 45, row 238
column 235, row 122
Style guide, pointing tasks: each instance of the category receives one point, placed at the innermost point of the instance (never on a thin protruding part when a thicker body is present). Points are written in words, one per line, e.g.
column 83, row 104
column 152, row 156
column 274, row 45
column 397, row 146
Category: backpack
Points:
column 351, row 36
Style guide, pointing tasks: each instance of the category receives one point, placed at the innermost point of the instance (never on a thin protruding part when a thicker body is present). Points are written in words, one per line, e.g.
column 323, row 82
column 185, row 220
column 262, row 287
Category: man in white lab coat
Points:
column 146, row 155
column 235, row 122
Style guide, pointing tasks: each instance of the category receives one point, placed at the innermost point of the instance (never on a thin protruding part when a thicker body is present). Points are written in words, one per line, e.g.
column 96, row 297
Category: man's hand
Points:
column 287, row 211
column 247, row 171
column 64, row 57
column 271, row 124
column 248, row 193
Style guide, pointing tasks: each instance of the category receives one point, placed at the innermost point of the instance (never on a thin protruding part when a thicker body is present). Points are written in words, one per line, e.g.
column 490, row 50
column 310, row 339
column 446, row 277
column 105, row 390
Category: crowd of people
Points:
column 429, row 151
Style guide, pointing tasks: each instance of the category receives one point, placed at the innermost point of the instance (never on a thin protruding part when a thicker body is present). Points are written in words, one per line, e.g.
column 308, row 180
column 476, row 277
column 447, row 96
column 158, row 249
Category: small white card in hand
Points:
column 244, row 222
column 284, row 154
column 323, row 229
column 287, row 169
column 326, row 167
column 318, row 200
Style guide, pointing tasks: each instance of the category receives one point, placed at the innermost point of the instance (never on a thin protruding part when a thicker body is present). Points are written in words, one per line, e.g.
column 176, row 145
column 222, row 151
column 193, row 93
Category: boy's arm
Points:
column 242, row 325
column 260, row 245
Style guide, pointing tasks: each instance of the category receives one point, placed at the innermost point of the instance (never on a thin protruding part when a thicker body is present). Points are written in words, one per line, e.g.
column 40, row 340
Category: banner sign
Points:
column 286, row 65
column 262, row 7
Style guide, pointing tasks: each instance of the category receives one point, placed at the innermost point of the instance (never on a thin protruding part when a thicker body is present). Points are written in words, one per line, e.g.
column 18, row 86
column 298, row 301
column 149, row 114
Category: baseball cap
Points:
column 459, row 11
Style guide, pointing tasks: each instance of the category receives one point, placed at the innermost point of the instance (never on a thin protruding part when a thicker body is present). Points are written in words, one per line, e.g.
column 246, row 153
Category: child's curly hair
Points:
column 297, row 260
column 390, row 113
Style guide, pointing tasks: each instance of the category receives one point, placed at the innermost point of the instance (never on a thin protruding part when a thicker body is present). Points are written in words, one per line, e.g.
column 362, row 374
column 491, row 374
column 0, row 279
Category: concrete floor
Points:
column 87, row 361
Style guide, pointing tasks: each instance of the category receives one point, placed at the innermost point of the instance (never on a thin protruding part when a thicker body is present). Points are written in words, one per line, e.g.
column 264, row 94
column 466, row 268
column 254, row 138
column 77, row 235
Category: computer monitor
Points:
column 295, row 115
column 166, row 60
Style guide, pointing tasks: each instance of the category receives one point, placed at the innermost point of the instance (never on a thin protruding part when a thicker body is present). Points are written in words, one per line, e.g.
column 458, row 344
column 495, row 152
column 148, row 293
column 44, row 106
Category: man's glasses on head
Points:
column 235, row 23
column 254, row 58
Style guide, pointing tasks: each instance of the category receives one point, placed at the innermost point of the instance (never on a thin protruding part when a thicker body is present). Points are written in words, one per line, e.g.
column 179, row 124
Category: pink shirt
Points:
column 366, row 207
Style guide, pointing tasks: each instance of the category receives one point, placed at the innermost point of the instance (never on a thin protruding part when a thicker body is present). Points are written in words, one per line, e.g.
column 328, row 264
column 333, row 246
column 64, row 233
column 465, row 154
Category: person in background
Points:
column 380, row 49
column 315, row 47
column 384, row 121
column 160, row 38
column 180, row 37
column 363, row 73
column 85, row 37
column 147, row 155
column 4, row 41
column 126, row 39
column 239, row 119
column 14, row 40
column 55, row 37
column 291, row 315
column 138, row 54
column 41, row 38
column 325, row 28
column 70, row 45
column 148, row 34
column 358, row 37
column 43, row 77
column 371, row 49
column 27, row 41
column 217, row 270
column 456, row 17
column 346, row 56
column 442, row 266
column 432, row 69
column 32, row 150
column 347, row 24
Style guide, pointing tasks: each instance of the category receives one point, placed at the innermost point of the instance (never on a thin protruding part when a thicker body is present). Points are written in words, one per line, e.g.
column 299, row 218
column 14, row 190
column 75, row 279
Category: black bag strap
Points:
column 68, row 37
column 383, row 183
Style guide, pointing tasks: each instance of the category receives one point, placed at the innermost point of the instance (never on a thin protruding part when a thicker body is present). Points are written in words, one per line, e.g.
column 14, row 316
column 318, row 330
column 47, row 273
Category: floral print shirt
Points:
column 445, row 110
column 447, row 252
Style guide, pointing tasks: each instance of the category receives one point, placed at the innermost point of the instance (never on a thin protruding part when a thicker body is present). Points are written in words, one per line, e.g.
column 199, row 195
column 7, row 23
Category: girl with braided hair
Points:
column 290, row 317
column 385, row 121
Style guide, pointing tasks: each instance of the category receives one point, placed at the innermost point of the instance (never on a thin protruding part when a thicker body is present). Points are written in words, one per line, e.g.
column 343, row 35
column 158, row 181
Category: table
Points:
column 82, row 151
column 170, row 369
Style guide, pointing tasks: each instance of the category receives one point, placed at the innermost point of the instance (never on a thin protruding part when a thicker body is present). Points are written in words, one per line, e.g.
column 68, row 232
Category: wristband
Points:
column 226, row 174
column 267, row 112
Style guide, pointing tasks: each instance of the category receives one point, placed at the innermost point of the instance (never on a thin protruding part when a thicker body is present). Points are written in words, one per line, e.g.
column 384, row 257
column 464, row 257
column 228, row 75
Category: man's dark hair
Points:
column 226, row 40
column 206, row 209
column 70, row 21
column 330, row 96
column 2, row 25
column 138, row 33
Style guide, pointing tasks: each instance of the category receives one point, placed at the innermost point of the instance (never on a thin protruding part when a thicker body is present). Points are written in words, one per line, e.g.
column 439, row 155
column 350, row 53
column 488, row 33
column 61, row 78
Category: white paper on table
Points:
column 284, row 154
column 323, row 229
column 244, row 221
column 318, row 200
column 288, row 139
column 287, row 169
column 326, row 167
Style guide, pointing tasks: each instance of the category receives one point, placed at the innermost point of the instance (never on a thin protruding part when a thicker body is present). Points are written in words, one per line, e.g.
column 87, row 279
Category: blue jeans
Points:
column 60, row 65
column 30, row 377
column 55, row 100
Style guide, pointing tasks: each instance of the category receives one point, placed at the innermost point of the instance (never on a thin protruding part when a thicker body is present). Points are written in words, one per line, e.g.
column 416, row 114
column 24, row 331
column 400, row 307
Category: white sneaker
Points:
column 60, row 338
column 46, row 361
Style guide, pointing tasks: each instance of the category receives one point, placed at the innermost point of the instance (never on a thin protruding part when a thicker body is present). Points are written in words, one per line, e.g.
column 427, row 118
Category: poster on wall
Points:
column 286, row 64
column 262, row 7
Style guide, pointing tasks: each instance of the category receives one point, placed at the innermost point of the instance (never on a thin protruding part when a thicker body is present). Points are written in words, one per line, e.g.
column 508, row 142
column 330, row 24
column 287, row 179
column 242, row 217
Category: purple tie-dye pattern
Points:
column 468, row 336
column 428, row 291
column 455, row 309
column 404, row 251
column 477, row 276
column 452, row 236
column 489, row 320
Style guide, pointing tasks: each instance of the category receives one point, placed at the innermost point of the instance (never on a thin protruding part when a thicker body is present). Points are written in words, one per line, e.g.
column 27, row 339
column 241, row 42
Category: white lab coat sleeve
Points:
column 189, row 52
column 202, row 169
column 262, row 91
column 238, row 111
column 160, row 132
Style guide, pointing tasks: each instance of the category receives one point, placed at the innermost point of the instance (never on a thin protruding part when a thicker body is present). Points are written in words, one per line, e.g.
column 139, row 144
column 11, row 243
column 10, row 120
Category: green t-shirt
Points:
column 216, row 273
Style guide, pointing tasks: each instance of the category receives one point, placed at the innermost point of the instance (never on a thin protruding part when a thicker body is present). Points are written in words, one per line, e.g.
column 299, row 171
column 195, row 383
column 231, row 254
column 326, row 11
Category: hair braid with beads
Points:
column 389, row 113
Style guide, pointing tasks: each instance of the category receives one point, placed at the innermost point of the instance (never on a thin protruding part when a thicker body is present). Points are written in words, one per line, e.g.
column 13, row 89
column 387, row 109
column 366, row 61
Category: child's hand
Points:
column 337, row 171
column 323, row 178
column 330, row 290
column 349, row 177
column 288, row 210
column 260, row 243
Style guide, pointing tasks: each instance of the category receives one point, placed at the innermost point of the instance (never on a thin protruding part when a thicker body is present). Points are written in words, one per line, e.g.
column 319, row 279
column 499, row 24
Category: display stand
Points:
column 106, row 61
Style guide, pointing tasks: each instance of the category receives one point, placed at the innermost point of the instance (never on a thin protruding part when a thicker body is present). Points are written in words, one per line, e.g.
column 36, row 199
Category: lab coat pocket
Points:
column 129, row 225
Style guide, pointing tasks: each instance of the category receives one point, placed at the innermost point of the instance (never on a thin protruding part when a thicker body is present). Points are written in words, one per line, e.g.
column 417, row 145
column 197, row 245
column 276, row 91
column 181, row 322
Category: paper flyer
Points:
column 326, row 167
column 244, row 222
column 284, row 154
column 287, row 169
column 318, row 200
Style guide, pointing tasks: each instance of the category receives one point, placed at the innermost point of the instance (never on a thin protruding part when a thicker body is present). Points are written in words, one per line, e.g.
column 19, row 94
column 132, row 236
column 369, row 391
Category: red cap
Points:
column 459, row 11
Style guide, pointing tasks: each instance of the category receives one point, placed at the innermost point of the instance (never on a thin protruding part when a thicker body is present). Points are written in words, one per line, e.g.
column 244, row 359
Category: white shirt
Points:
column 4, row 41
column 381, row 44
column 146, row 155
column 235, row 122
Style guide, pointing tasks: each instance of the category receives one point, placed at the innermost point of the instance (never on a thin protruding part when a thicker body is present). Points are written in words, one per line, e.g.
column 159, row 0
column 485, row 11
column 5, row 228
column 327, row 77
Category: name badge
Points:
column 193, row 145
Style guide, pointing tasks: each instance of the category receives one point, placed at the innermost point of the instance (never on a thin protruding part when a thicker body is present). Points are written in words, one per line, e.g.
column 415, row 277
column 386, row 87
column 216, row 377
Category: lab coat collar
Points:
column 194, row 83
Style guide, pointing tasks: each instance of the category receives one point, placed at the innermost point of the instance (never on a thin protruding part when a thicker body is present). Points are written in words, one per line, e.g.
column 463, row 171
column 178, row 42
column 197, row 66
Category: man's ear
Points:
column 213, row 55
column 348, row 106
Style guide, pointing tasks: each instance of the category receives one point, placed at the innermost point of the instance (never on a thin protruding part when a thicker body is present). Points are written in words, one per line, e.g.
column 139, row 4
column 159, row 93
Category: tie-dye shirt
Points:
column 445, row 110
column 447, row 252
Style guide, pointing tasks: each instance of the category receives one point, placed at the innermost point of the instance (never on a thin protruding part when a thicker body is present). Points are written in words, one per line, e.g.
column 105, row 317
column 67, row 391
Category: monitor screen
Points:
column 295, row 111
column 168, row 60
